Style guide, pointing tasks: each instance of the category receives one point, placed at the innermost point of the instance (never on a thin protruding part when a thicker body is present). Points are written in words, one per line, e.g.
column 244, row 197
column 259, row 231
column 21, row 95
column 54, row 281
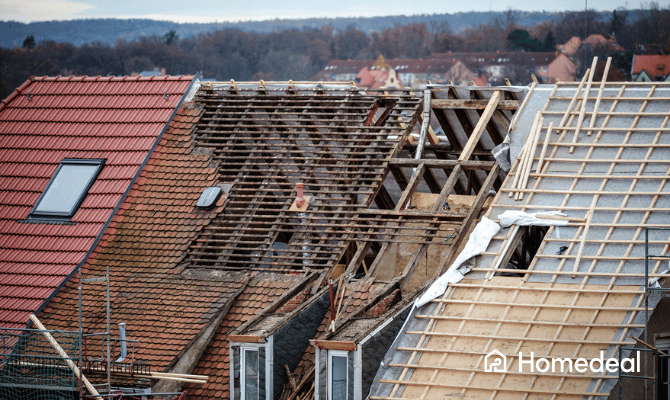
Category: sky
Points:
column 243, row 10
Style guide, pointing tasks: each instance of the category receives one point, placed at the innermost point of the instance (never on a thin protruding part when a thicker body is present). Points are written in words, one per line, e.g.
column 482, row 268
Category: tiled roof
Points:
column 653, row 65
column 261, row 291
column 143, row 247
column 45, row 120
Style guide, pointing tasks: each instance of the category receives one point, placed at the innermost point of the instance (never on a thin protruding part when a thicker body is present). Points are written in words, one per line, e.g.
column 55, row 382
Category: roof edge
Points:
column 272, row 308
column 118, row 205
column 16, row 92
column 125, row 78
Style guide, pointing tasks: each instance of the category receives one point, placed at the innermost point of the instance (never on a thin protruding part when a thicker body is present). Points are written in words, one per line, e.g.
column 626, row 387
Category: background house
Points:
column 650, row 68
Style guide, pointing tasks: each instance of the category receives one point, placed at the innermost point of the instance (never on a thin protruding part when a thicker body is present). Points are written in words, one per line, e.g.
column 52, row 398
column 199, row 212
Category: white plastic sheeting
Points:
column 514, row 217
column 477, row 243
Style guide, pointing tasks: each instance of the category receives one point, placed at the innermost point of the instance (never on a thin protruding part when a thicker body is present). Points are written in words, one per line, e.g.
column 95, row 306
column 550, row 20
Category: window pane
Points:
column 67, row 188
column 250, row 375
column 339, row 378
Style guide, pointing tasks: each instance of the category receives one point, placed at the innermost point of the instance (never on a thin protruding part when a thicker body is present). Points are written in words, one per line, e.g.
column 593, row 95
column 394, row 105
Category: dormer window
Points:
column 67, row 188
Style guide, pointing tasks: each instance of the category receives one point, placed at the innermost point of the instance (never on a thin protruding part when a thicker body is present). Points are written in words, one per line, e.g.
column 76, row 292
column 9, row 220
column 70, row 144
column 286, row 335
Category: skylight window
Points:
column 67, row 188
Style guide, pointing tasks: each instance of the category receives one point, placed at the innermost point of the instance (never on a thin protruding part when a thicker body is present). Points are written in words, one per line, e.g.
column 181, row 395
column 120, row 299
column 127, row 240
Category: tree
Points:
column 618, row 20
column 29, row 43
column 351, row 43
column 549, row 42
column 520, row 39
column 170, row 37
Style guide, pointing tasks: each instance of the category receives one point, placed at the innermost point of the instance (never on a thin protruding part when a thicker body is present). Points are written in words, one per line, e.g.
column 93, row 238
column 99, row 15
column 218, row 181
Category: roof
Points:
column 654, row 65
column 571, row 46
column 45, row 120
column 260, row 293
column 189, row 265
column 376, row 79
column 580, row 290
column 143, row 247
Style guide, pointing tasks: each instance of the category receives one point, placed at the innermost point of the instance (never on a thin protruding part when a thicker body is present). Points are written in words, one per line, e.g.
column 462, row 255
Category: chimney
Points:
column 300, row 199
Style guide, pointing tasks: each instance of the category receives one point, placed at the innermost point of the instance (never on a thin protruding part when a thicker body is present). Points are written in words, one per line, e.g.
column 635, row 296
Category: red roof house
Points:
column 70, row 149
column 648, row 68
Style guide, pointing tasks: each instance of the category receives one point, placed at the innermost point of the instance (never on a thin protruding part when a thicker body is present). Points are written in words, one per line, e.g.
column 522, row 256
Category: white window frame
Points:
column 337, row 353
column 243, row 379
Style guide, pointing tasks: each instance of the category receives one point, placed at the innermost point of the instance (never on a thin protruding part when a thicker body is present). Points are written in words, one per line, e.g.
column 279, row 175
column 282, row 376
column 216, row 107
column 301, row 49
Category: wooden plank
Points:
column 62, row 353
column 481, row 125
column 247, row 338
column 518, row 112
column 585, row 231
column 544, row 147
column 471, row 104
column 483, row 388
column 600, row 95
column 530, row 157
column 409, row 190
column 334, row 345
column 582, row 111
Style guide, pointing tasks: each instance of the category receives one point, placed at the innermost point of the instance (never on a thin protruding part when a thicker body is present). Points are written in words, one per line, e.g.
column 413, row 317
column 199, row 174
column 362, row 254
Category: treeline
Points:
column 300, row 53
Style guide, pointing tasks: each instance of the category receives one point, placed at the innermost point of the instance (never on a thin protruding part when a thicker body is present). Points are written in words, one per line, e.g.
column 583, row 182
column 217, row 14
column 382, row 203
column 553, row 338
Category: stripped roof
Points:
column 44, row 121
column 269, row 140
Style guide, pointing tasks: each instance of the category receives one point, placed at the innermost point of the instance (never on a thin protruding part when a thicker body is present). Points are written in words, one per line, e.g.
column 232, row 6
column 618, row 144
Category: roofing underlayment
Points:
column 43, row 122
column 602, row 158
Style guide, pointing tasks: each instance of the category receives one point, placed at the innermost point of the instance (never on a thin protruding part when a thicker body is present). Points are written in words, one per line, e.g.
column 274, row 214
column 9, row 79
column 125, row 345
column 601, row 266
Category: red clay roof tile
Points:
column 112, row 119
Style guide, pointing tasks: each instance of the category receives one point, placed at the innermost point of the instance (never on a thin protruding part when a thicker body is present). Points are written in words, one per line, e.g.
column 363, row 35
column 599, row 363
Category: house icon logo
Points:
column 495, row 361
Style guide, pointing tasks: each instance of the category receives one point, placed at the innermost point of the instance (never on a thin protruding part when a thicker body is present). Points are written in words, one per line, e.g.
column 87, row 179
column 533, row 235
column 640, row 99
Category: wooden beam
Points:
column 246, row 338
column 333, row 345
column 472, row 104
column 481, row 125
column 63, row 354
column 467, row 164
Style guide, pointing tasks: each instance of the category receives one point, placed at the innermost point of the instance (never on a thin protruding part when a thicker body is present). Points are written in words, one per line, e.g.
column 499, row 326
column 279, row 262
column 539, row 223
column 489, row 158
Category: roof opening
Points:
column 528, row 241
column 67, row 188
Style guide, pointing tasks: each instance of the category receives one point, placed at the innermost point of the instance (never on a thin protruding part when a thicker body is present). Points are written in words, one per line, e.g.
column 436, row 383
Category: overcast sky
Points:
column 236, row 10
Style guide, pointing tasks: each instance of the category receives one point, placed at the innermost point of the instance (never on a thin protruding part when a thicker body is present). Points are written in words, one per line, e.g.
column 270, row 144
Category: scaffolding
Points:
column 30, row 367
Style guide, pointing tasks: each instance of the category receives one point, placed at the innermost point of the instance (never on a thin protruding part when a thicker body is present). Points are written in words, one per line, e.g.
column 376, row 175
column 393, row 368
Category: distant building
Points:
column 414, row 73
column 648, row 68
column 486, row 68
column 494, row 67
column 572, row 47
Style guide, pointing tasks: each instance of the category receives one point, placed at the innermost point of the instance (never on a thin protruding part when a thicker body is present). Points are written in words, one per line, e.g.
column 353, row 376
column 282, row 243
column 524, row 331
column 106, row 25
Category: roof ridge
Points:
column 111, row 78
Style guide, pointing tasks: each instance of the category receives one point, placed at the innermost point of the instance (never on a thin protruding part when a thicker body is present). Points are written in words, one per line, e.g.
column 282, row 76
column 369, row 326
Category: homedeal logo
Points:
column 496, row 361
